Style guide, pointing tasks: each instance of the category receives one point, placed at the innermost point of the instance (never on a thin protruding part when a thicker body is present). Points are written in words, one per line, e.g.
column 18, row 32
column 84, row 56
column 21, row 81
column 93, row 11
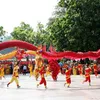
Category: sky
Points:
column 13, row 12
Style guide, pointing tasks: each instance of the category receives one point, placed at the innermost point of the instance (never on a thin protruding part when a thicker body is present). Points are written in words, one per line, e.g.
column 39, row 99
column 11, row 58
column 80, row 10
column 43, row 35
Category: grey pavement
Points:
column 55, row 90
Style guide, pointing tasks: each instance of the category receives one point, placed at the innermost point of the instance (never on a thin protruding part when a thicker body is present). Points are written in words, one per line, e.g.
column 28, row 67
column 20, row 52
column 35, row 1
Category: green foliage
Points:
column 41, row 35
column 2, row 31
column 23, row 32
column 75, row 25
column 78, row 29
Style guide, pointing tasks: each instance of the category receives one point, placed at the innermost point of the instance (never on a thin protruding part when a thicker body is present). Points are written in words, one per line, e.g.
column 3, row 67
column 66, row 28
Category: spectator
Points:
column 24, row 69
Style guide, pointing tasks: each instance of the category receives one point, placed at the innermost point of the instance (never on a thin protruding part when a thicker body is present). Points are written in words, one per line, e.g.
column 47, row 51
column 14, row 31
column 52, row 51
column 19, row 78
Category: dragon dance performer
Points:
column 64, row 68
column 30, row 69
column 74, row 70
column 95, row 68
column 15, row 76
column 68, row 76
column 36, row 73
column 87, row 75
column 54, row 69
column 2, row 71
column 38, row 64
column 42, row 81
column 80, row 69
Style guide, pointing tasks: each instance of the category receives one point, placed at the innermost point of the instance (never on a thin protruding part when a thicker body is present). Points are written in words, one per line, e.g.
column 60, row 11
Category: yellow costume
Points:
column 38, row 61
column 74, row 70
column 38, row 65
column 15, row 76
column 48, row 71
column 1, row 71
column 36, row 73
column 30, row 69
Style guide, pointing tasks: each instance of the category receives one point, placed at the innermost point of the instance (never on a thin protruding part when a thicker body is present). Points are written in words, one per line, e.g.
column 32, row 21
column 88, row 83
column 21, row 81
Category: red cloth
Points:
column 54, row 68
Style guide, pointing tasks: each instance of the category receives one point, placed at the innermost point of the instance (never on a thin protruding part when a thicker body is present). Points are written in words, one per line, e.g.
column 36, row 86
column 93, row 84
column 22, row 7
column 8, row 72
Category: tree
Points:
column 42, row 35
column 2, row 31
column 78, row 29
column 23, row 32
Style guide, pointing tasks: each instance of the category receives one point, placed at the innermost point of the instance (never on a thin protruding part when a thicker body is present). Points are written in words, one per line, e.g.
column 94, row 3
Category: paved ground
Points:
column 55, row 91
